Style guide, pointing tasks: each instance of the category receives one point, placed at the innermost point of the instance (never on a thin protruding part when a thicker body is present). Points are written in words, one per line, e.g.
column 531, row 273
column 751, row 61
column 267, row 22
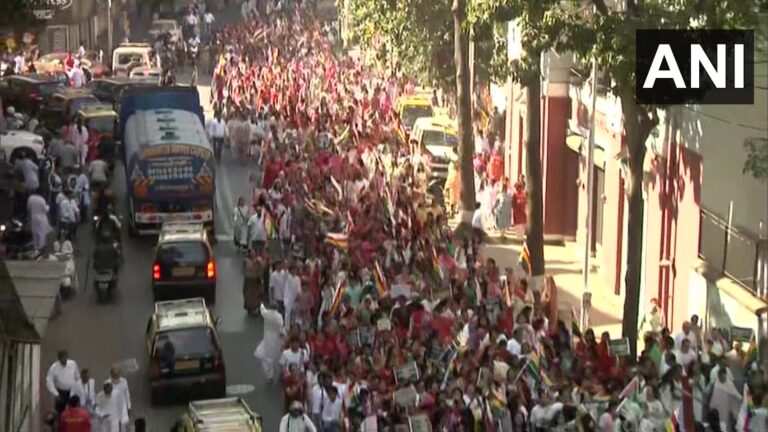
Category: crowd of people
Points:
column 377, row 314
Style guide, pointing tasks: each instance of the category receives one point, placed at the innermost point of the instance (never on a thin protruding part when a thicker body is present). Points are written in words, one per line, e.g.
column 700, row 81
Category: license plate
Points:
column 187, row 364
column 183, row 271
column 103, row 285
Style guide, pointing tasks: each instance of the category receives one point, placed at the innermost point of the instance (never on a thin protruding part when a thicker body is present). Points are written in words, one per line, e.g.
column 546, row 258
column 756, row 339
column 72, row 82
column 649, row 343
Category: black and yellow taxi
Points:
column 410, row 108
column 228, row 414
column 62, row 106
column 184, row 266
column 185, row 357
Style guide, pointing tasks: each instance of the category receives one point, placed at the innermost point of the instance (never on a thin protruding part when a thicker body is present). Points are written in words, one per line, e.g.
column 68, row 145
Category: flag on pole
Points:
column 338, row 240
column 631, row 390
column 670, row 424
column 382, row 287
column 535, row 365
column 436, row 267
column 338, row 188
column 525, row 259
column 338, row 295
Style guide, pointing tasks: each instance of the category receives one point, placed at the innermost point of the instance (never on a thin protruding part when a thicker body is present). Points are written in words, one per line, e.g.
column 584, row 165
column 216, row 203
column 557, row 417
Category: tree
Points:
column 757, row 158
column 464, row 105
column 609, row 37
column 540, row 27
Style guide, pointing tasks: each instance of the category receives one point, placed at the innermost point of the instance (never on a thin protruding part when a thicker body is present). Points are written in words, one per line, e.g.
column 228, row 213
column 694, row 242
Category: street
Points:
column 99, row 335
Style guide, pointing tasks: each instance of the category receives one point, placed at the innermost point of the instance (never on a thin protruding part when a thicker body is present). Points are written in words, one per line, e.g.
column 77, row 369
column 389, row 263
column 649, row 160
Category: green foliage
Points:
column 757, row 158
column 416, row 37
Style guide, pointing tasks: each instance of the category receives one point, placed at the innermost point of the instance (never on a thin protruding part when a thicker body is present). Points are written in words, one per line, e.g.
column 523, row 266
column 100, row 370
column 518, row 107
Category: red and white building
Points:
column 693, row 186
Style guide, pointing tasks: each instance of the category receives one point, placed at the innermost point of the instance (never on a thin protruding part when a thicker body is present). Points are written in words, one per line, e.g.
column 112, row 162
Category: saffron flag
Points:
column 338, row 240
column 382, row 287
column 338, row 295
column 525, row 259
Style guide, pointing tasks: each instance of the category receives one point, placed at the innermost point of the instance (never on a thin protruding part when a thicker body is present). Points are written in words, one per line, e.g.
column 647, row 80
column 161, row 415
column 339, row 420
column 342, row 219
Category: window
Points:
column 439, row 138
column 414, row 112
column 102, row 124
column 188, row 342
column 182, row 253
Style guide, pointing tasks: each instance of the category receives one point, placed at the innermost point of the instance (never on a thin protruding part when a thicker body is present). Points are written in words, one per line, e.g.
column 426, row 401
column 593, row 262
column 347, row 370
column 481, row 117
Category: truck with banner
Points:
column 170, row 167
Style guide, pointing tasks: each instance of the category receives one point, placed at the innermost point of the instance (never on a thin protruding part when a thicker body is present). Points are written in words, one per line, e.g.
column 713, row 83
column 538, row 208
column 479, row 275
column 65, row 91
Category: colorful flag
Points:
column 338, row 295
column 436, row 267
column 669, row 425
column 525, row 259
column 382, row 287
column 746, row 411
column 534, row 377
column 338, row 240
column 535, row 363
column 631, row 390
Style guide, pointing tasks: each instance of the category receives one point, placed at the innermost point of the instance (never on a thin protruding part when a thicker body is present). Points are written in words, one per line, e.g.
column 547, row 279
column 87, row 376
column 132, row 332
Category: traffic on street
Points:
column 264, row 227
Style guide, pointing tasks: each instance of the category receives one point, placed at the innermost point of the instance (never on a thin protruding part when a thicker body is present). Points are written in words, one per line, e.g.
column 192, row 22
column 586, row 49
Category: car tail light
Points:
column 34, row 95
column 156, row 272
column 219, row 362
column 210, row 271
column 153, row 370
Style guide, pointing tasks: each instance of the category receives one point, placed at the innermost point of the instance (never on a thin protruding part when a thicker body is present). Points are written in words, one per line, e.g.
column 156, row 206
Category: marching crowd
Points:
column 377, row 315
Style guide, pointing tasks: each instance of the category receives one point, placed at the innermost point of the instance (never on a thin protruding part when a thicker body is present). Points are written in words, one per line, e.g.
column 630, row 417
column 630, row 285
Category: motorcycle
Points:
column 15, row 237
column 107, row 258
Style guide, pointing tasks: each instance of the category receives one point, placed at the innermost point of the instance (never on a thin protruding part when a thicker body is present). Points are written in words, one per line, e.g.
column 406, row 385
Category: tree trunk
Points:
column 464, row 106
column 637, row 126
column 534, row 233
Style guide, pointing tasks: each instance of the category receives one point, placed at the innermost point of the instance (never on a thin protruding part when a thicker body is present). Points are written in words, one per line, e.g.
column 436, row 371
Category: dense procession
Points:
column 376, row 310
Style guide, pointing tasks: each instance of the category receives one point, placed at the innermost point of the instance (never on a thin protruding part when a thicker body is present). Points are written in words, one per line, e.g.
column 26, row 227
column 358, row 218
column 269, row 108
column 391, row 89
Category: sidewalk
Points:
column 564, row 264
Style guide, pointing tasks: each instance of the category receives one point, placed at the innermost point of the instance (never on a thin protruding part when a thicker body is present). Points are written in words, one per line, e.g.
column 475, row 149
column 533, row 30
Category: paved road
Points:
column 97, row 335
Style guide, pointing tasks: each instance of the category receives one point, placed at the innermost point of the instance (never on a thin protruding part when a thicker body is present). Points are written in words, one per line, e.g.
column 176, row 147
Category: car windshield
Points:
column 102, row 124
column 182, row 253
column 414, row 112
column 125, row 59
column 76, row 104
column 162, row 27
column 181, row 343
column 439, row 138
column 50, row 88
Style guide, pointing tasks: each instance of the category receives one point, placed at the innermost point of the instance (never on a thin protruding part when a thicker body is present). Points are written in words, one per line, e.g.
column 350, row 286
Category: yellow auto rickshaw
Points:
column 101, row 121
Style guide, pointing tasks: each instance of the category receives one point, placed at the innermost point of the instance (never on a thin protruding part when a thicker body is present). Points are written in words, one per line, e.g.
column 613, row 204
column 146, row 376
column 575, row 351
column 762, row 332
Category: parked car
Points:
column 62, row 106
column 185, row 357
column 15, row 143
column 161, row 26
column 91, row 62
column 26, row 92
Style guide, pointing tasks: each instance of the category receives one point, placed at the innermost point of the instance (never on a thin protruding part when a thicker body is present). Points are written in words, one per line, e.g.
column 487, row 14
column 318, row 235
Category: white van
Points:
column 131, row 55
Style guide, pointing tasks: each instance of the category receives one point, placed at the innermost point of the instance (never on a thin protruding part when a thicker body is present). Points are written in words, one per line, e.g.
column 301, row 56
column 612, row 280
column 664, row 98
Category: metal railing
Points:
column 735, row 252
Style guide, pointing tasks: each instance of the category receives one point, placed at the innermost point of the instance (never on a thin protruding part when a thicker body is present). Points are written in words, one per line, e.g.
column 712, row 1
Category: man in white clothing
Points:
column 331, row 413
column 120, row 385
column 296, row 421
column 257, row 232
column 217, row 130
column 77, row 76
column 277, row 284
column 294, row 355
column 290, row 294
column 85, row 389
column 62, row 379
column 110, row 409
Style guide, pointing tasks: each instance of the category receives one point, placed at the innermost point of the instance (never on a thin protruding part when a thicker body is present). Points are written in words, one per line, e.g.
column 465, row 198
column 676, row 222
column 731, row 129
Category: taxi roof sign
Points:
column 181, row 313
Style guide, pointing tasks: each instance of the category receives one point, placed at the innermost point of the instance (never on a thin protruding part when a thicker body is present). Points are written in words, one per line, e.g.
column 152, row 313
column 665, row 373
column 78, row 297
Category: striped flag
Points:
column 631, row 390
column 338, row 240
column 669, row 425
column 436, row 267
column 533, row 377
column 525, row 259
column 338, row 295
column 535, row 364
column 382, row 287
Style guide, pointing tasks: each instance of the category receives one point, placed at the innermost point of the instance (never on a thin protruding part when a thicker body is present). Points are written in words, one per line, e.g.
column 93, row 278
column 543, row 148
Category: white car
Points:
column 161, row 26
column 14, row 143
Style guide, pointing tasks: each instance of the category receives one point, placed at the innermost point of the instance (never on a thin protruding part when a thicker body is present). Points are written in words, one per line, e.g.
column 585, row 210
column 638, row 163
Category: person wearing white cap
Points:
column 295, row 420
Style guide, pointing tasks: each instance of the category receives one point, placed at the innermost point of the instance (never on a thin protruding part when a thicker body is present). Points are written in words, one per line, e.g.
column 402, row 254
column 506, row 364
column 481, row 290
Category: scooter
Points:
column 14, row 236
column 105, row 274
column 65, row 252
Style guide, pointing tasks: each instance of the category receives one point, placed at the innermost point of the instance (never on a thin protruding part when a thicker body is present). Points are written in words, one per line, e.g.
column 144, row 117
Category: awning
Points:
column 579, row 144
column 28, row 291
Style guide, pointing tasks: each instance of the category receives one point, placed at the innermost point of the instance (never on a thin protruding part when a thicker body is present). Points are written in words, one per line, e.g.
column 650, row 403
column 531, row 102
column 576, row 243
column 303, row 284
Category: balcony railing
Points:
column 735, row 252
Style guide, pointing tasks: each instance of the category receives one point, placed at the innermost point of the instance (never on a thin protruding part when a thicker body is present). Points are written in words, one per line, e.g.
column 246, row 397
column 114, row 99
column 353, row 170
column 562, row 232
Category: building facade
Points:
column 705, row 221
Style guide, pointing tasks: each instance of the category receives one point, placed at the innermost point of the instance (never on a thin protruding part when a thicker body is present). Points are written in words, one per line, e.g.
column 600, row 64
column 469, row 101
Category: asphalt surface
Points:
column 99, row 335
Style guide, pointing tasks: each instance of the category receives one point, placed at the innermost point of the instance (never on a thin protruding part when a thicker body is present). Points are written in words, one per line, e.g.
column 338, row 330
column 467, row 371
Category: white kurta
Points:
column 110, row 410
column 241, row 215
column 37, row 209
column 271, row 346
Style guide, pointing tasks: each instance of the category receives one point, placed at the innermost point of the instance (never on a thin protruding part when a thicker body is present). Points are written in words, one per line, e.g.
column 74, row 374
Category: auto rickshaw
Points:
column 58, row 108
column 101, row 121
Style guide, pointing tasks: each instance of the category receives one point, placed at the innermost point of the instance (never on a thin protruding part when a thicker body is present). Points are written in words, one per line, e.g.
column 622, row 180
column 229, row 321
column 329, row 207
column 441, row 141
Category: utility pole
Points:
column 586, row 300
column 110, row 36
